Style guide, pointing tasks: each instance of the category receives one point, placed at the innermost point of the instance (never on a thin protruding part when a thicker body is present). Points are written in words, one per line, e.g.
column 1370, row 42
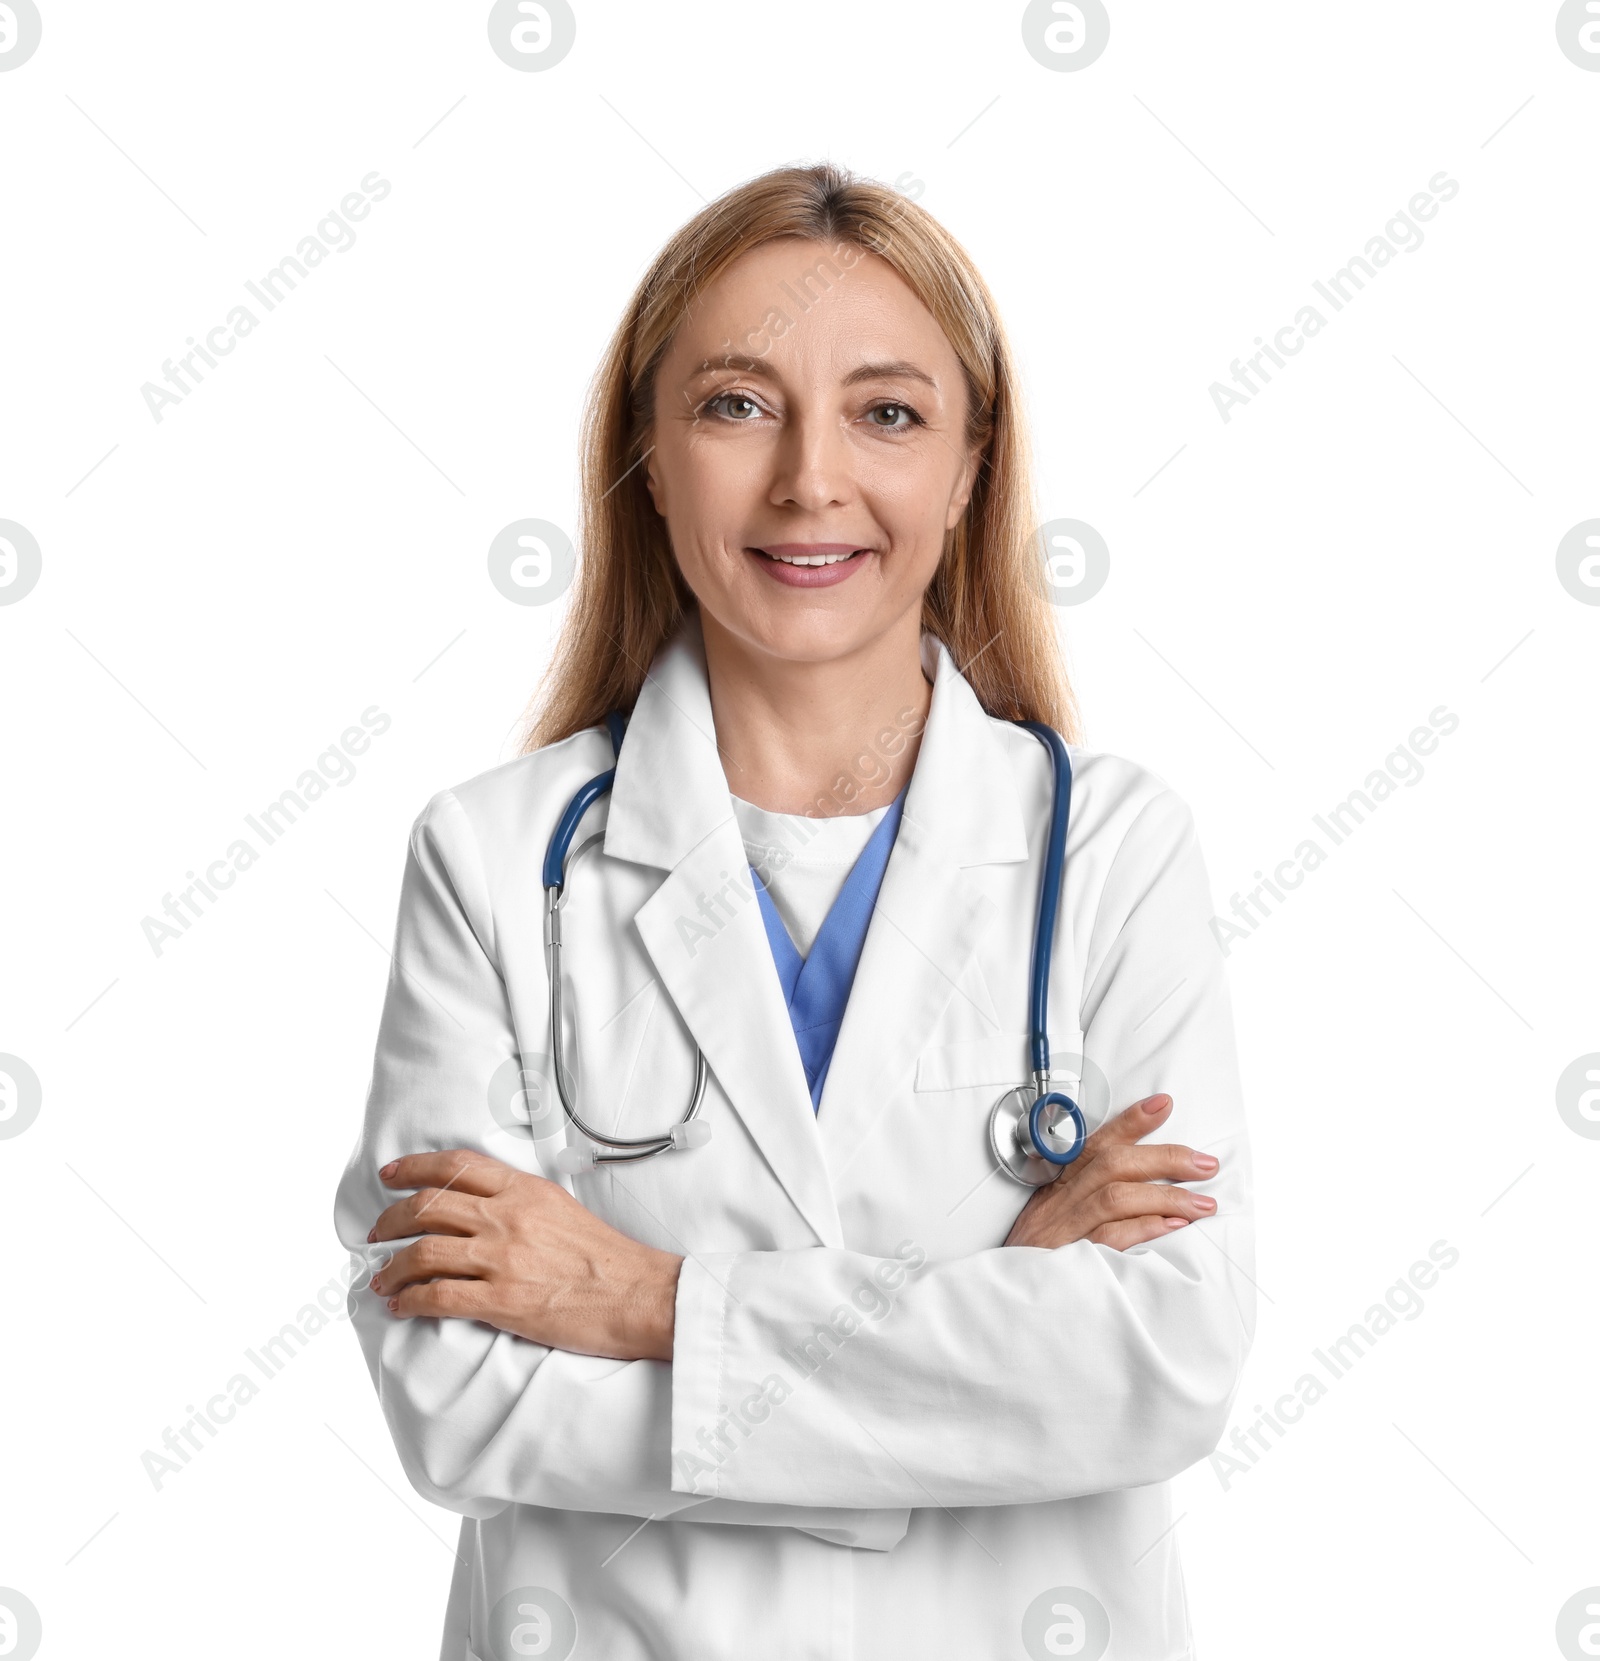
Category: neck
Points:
column 823, row 739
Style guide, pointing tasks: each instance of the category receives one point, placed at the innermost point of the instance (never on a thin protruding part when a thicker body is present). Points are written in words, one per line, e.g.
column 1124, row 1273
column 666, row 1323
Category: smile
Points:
column 813, row 559
column 811, row 564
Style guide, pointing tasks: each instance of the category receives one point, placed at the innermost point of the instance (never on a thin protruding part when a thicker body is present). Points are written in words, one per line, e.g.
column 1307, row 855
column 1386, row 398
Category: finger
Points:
column 433, row 1256
column 429, row 1211
column 458, row 1168
column 1151, row 1160
column 1134, row 1231
column 1130, row 1124
column 470, row 1299
column 1118, row 1200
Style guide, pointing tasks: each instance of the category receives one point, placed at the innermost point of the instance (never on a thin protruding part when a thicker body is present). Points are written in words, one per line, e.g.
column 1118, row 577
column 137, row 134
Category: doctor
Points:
column 830, row 1383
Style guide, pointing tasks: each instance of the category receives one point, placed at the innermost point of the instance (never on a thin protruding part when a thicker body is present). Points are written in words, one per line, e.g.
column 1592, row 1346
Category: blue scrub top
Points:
column 817, row 988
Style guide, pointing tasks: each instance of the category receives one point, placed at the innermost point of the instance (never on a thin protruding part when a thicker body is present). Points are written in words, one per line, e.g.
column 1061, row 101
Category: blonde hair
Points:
column 987, row 601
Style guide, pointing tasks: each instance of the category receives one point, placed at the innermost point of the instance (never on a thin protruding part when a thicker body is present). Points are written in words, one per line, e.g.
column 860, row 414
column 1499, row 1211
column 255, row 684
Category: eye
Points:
column 901, row 417
column 742, row 407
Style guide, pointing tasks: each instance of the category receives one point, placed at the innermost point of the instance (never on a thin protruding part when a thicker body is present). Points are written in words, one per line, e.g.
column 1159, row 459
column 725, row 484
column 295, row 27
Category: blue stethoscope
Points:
column 1025, row 1126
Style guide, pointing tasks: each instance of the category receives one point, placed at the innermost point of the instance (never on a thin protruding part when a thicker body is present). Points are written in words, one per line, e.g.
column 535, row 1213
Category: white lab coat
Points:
column 882, row 1435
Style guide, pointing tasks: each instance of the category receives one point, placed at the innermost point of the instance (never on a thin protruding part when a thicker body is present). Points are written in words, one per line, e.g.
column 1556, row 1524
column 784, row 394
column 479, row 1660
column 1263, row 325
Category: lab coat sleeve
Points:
column 1013, row 1374
column 482, row 1418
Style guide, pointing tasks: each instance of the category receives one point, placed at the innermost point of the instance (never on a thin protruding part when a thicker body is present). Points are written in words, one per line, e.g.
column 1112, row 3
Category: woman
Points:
column 831, row 1383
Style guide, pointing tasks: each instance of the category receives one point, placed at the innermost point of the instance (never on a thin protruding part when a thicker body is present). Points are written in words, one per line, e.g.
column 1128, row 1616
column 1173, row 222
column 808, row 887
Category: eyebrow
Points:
column 733, row 360
column 887, row 370
column 895, row 369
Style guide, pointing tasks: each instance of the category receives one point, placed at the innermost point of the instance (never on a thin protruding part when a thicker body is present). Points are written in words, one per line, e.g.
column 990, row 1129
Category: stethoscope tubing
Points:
column 557, row 869
column 1044, row 933
column 1044, row 930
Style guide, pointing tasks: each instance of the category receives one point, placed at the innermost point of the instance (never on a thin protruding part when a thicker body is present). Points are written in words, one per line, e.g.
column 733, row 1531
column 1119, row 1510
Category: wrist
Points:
column 653, row 1308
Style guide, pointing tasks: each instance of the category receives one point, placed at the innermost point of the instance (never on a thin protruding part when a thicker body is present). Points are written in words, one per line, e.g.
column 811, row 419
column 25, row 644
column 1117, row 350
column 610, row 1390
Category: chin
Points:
column 797, row 632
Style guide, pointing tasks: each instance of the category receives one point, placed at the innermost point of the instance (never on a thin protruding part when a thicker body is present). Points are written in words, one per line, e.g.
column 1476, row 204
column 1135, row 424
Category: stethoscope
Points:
column 1025, row 1125
column 1024, row 1132
column 688, row 1132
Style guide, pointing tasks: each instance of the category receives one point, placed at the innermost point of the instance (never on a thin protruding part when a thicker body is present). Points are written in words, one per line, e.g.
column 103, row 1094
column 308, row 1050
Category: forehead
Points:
column 822, row 307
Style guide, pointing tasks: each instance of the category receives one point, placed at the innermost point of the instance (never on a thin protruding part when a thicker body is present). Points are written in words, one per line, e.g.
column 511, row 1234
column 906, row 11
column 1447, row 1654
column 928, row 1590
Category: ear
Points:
column 653, row 484
column 964, row 486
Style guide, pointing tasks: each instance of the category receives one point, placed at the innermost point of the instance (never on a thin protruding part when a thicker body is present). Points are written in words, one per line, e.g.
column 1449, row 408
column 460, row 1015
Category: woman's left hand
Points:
column 519, row 1252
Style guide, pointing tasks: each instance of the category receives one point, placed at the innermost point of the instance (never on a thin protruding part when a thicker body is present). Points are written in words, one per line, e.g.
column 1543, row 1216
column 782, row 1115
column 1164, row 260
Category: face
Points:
column 810, row 452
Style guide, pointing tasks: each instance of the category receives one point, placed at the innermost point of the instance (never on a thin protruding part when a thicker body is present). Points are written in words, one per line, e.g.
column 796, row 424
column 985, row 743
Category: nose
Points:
column 812, row 464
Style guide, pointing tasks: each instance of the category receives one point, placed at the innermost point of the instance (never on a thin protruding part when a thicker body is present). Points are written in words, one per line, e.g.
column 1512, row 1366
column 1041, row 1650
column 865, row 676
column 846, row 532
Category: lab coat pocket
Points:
column 1001, row 1063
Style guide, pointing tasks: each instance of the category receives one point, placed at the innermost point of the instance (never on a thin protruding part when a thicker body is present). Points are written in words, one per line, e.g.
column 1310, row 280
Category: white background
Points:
column 224, row 591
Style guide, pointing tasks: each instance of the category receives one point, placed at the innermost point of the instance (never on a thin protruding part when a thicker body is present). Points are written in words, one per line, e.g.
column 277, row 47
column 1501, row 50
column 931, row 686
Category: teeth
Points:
column 814, row 559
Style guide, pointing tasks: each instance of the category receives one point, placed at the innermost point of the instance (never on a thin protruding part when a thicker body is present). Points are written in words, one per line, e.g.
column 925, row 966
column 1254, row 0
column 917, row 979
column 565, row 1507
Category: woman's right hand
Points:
column 1111, row 1194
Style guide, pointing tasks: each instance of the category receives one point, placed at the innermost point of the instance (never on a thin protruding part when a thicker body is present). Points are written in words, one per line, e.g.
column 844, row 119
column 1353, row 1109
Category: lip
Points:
column 809, row 576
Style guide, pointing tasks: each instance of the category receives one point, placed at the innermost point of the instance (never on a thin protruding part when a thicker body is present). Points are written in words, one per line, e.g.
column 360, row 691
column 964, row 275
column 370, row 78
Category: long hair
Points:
column 987, row 601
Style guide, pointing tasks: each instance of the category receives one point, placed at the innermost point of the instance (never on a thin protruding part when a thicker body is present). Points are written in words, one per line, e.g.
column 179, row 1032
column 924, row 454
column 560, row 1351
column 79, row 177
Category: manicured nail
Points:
column 1203, row 1162
column 1177, row 1222
column 394, row 1304
column 372, row 1234
column 389, row 1169
column 1155, row 1104
column 1205, row 1202
column 373, row 1283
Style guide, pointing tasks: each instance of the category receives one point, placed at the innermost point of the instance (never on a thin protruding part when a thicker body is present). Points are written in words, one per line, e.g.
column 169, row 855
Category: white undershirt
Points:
column 803, row 861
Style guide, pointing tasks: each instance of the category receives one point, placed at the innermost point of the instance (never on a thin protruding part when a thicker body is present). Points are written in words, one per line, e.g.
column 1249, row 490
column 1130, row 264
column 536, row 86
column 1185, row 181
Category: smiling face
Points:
column 809, row 471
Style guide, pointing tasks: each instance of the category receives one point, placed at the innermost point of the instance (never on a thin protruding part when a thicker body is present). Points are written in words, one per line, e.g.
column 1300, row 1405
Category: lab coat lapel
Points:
column 702, row 927
column 961, row 810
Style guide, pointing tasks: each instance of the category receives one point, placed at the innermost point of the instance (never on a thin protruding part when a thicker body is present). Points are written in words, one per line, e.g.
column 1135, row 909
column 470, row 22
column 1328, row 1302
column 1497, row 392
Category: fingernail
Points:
column 1205, row 1202
column 394, row 1304
column 1177, row 1222
column 1155, row 1104
column 1205, row 1162
column 389, row 1169
column 373, row 1284
column 372, row 1234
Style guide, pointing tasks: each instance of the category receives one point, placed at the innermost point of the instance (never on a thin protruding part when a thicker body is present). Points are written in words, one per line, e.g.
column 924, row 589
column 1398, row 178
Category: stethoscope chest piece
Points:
column 1035, row 1133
